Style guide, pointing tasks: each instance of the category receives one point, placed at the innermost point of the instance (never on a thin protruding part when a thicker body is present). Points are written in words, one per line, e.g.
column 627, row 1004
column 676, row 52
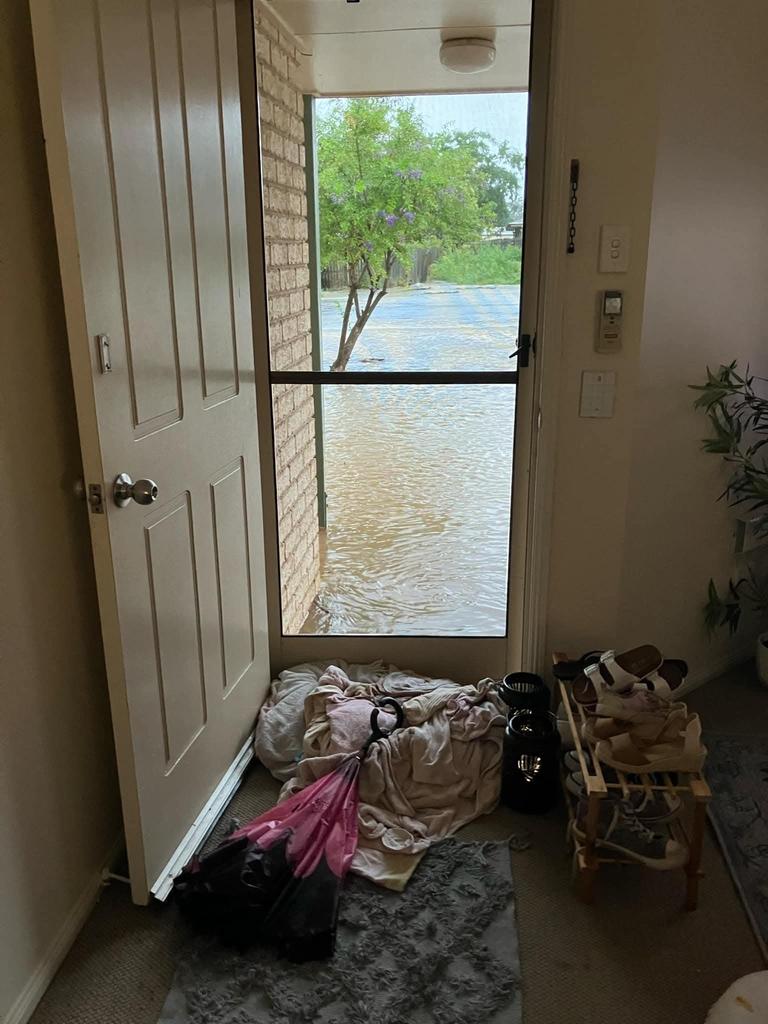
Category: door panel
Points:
column 209, row 201
column 142, row 115
column 140, row 221
column 233, row 574
column 173, row 599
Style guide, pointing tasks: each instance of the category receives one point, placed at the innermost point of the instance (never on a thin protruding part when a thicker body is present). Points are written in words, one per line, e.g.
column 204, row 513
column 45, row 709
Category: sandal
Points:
column 670, row 676
column 659, row 725
column 677, row 748
column 665, row 681
column 632, row 705
column 568, row 670
column 617, row 672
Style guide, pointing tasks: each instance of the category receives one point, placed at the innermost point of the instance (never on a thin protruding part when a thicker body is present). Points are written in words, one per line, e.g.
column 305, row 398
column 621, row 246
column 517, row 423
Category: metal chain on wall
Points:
column 574, row 198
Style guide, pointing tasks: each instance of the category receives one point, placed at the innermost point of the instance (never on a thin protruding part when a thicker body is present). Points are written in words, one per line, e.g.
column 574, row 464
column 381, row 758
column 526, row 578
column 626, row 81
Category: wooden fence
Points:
column 336, row 275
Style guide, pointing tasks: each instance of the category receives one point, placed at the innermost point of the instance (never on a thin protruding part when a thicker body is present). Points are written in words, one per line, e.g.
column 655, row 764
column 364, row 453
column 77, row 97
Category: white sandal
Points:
column 621, row 672
column 677, row 749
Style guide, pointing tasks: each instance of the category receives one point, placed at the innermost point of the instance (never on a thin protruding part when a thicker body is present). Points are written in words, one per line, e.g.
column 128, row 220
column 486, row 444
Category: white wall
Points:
column 59, row 810
column 667, row 110
column 706, row 303
column 607, row 67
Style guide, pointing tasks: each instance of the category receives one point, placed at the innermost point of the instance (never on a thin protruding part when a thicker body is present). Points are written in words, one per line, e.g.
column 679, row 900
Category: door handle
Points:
column 143, row 492
column 526, row 344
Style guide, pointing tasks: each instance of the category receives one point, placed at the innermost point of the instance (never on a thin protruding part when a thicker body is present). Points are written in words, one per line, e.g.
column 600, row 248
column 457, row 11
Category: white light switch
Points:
column 614, row 249
column 598, row 393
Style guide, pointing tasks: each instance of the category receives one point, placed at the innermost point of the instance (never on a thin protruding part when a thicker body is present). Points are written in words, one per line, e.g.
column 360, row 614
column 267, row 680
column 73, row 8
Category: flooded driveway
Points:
column 418, row 477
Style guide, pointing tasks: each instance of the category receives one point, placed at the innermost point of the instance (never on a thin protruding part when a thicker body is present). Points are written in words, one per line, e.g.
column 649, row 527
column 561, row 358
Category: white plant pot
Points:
column 761, row 657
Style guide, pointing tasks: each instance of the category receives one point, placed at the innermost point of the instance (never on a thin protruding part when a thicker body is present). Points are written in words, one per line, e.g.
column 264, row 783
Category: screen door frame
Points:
column 460, row 657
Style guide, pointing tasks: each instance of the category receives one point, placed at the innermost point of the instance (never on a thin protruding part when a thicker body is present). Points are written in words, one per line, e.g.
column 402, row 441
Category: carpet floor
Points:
column 635, row 957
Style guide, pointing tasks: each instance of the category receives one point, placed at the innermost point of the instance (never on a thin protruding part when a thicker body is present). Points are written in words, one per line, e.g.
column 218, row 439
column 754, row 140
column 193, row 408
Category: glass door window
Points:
column 393, row 371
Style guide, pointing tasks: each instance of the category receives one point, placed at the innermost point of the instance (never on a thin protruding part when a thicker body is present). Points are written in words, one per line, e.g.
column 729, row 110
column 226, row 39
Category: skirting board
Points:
column 33, row 991
column 202, row 825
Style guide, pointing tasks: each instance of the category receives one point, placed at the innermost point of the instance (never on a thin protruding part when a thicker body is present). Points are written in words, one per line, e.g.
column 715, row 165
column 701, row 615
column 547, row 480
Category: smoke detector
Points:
column 467, row 56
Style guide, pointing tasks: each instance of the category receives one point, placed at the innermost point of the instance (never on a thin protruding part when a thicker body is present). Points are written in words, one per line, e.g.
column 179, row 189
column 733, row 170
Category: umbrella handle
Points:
column 376, row 732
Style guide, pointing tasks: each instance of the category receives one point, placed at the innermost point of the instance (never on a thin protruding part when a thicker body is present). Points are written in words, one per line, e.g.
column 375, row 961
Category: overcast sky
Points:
column 502, row 114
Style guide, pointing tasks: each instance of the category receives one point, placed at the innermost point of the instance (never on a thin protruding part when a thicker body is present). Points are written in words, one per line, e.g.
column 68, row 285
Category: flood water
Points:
column 418, row 477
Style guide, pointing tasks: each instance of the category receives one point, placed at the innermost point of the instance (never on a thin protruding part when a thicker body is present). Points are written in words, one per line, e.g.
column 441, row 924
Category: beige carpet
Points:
column 633, row 958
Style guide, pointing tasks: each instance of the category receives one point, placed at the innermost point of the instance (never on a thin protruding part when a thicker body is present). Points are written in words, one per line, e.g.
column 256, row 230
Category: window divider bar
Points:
column 394, row 377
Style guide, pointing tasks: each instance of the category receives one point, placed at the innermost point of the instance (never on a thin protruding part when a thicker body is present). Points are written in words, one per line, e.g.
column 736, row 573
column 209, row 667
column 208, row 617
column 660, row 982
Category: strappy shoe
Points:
column 677, row 747
column 657, row 724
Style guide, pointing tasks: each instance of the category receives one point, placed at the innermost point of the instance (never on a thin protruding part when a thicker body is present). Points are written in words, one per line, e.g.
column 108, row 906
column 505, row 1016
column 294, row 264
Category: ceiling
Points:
column 392, row 46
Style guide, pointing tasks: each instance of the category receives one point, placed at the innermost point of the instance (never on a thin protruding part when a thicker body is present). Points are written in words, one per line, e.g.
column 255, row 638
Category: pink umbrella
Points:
column 278, row 878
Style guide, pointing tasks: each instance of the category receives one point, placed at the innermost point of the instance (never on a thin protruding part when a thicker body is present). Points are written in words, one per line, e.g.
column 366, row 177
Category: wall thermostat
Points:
column 610, row 315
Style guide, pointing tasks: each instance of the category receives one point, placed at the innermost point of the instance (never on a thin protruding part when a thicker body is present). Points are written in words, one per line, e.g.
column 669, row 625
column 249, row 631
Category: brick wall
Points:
column 287, row 260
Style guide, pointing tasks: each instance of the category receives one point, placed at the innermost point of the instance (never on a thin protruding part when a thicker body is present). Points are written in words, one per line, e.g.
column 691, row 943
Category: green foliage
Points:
column 738, row 417
column 386, row 186
column 503, row 173
column 726, row 610
column 480, row 264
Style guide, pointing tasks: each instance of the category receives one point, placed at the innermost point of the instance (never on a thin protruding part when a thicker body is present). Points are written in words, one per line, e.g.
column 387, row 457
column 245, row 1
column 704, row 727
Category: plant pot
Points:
column 761, row 657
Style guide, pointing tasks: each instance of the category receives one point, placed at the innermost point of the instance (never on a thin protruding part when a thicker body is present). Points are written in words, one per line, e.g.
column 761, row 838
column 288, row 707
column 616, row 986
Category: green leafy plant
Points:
column 480, row 264
column 503, row 172
column 386, row 187
column 738, row 417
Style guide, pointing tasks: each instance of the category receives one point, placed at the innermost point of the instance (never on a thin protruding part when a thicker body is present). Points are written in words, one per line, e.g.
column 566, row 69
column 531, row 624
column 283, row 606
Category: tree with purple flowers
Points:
column 386, row 187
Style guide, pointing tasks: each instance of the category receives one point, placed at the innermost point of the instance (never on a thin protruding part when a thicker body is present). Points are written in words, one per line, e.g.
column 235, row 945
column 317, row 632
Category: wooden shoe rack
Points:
column 688, row 828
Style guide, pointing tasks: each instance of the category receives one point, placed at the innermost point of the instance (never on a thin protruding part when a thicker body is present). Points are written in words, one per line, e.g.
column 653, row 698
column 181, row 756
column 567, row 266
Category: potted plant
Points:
column 738, row 416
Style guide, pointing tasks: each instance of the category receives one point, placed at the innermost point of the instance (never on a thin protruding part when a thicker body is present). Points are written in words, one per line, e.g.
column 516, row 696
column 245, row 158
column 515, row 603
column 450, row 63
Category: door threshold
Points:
column 205, row 822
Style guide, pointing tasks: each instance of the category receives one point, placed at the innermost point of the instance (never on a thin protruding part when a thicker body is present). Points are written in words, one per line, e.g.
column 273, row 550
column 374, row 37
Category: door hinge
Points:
column 96, row 499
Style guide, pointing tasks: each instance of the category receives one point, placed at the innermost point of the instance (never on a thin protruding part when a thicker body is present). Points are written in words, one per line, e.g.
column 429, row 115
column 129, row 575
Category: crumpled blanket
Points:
column 435, row 774
column 280, row 726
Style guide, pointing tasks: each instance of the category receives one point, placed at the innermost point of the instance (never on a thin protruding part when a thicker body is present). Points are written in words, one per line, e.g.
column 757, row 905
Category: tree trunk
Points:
column 348, row 336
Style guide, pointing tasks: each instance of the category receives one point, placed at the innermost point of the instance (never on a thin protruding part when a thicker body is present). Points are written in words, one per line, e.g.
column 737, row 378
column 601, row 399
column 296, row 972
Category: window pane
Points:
column 438, row 327
column 416, row 243
column 418, row 482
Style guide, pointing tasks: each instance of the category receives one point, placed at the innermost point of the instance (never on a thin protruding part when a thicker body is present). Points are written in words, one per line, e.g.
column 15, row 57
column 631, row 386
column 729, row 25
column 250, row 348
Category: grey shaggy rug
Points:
column 443, row 952
column 737, row 772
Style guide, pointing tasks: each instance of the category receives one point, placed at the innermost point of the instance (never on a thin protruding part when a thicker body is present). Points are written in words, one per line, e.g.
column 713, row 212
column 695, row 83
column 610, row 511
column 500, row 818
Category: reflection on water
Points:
column 418, row 477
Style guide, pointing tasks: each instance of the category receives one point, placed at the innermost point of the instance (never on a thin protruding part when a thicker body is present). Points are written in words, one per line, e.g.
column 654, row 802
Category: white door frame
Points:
column 459, row 657
column 546, row 385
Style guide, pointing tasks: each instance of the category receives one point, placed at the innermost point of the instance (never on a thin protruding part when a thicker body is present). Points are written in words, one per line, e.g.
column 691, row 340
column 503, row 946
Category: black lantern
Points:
column 524, row 691
column 530, row 772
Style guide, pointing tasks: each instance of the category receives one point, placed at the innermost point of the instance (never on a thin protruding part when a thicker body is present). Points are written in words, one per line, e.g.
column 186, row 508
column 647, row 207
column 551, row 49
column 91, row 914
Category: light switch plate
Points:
column 614, row 249
column 598, row 393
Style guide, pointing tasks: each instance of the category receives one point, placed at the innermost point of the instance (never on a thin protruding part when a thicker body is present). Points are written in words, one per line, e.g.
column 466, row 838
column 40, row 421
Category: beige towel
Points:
column 435, row 774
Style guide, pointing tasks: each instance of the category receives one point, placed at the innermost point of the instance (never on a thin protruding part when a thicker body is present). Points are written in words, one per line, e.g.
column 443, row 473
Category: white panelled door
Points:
column 141, row 110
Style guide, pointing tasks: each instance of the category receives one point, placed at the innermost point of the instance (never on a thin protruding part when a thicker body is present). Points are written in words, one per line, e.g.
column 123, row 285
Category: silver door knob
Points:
column 143, row 492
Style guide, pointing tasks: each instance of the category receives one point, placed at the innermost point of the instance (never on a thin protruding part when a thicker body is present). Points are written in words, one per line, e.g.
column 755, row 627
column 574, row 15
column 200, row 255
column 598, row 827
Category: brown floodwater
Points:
column 418, row 478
